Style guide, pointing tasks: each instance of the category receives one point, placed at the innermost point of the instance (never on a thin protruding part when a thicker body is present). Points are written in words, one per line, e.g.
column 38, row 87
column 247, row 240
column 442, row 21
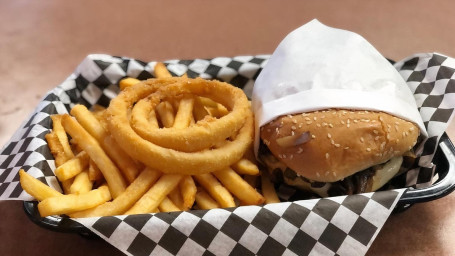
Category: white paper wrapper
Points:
column 318, row 67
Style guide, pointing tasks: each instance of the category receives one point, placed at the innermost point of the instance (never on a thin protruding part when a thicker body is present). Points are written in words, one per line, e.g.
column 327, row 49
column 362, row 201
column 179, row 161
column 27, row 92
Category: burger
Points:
column 336, row 151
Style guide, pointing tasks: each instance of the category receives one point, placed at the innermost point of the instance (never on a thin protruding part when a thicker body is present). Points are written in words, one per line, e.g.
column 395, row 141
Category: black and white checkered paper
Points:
column 344, row 225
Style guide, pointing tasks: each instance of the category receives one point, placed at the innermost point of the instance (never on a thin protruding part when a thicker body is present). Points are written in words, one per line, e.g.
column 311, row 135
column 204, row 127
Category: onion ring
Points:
column 205, row 133
column 169, row 160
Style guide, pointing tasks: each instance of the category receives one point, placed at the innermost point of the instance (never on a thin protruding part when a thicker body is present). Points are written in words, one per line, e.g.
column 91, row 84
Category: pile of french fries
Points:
column 99, row 179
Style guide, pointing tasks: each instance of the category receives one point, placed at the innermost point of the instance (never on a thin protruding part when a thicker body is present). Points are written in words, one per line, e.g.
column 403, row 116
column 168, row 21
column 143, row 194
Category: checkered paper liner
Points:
column 332, row 226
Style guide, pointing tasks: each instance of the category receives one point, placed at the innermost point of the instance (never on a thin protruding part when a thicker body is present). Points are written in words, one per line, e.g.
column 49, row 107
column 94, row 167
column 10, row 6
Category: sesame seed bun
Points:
column 327, row 146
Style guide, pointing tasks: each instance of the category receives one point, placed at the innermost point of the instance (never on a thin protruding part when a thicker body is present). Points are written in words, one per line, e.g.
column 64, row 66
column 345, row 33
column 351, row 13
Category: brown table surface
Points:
column 41, row 42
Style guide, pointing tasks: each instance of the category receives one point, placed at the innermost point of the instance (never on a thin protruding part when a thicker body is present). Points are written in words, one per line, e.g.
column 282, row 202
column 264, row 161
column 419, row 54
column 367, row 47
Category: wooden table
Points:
column 42, row 42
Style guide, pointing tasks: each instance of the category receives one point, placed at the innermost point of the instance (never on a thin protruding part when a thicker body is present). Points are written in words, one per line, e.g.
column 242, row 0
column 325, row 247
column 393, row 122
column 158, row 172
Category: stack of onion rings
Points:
column 208, row 145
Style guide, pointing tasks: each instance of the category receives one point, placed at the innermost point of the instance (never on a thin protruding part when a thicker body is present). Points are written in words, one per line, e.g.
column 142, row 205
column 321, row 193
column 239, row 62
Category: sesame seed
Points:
column 344, row 113
column 368, row 149
column 300, row 125
column 383, row 145
column 318, row 125
column 313, row 136
column 332, row 142
column 300, row 150
column 361, row 139
column 292, row 133
column 291, row 156
column 307, row 118
column 315, row 118
column 337, row 145
column 309, row 122
column 376, row 138
column 356, row 121
column 346, row 148
column 396, row 127
column 327, row 155
column 348, row 125
column 331, row 125
column 318, row 175
column 324, row 124
column 334, row 174
column 342, row 122
column 375, row 132
column 381, row 119
column 329, row 135
column 293, row 127
column 294, row 121
column 411, row 129
column 397, row 123
column 289, row 116
column 284, row 156
column 349, row 121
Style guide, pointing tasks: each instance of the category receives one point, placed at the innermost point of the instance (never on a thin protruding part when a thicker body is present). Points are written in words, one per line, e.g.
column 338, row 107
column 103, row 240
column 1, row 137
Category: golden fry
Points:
column 72, row 167
column 66, row 204
column 239, row 187
column 94, row 172
column 168, row 206
column 166, row 113
column 126, row 200
column 245, row 166
column 188, row 190
column 268, row 190
column 56, row 149
column 184, row 113
column 161, row 71
column 215, row 189
column 176, row 197
column 66, row 185
column 61, row 134
column 92, row 125
column 81, row 184
column 153, row 198
column 204, row 201
column 127, row 82
column 110, row 172
column 36, row 188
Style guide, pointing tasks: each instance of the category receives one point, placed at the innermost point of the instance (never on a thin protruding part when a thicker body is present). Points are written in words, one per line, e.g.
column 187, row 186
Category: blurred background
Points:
column 42, row 42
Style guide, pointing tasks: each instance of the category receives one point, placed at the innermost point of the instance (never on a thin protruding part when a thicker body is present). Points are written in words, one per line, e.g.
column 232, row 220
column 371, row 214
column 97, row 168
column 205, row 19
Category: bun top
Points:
column 330, row 145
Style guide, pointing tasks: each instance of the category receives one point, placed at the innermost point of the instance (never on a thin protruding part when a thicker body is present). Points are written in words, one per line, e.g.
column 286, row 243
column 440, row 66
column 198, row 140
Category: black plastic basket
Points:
column 445, row 169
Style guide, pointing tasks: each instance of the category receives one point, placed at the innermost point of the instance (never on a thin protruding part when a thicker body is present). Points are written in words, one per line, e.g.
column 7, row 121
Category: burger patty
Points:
column 359, row 182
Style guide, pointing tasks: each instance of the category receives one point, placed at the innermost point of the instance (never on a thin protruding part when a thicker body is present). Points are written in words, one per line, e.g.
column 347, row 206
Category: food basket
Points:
column 95, row 81
column 444, row 160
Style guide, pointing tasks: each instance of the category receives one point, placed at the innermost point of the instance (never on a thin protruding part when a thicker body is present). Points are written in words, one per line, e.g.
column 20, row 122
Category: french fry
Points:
column 188, row 190
column 176, row 197
column 81, row 184
column 61, row 134
column 126, row 200
column 168, row 206
column 268, row 189
column 184, row 113
column 110, row 172
column 239, row 187
column 245, row 166
column 72, row 167
column 156, row 194
column 215, row 189
column 66, row 204
column 161, row 71
column 127, row 82
column 199, row 111
column 166, row 113
column 204, row 201
column 94, row 172
column 92, row 125
column 66, row 185
column 56, row 149
column 36, row 188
